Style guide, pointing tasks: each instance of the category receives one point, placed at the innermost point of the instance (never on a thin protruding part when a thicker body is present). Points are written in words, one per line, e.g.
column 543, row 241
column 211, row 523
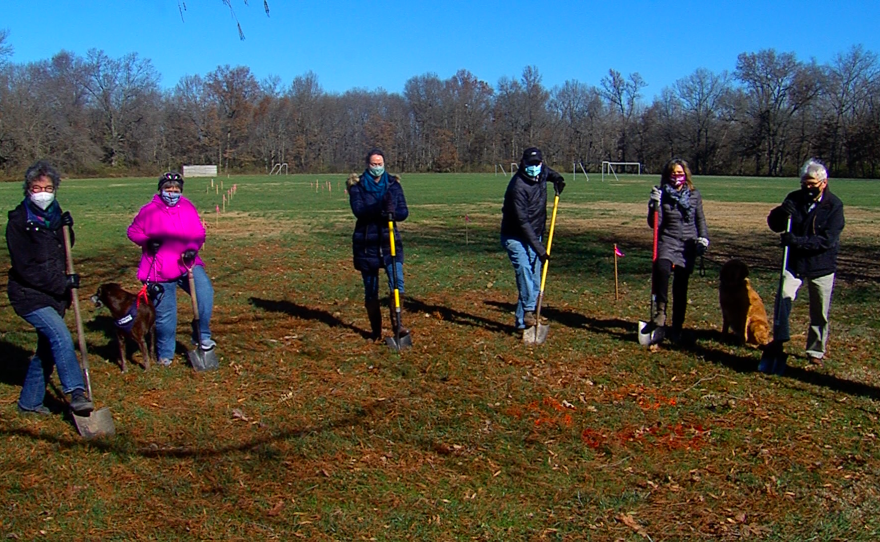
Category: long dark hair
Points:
column 666, row 176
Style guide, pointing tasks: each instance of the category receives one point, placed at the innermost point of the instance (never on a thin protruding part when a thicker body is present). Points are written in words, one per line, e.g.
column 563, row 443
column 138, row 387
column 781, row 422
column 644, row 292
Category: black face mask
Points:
column 811, row 191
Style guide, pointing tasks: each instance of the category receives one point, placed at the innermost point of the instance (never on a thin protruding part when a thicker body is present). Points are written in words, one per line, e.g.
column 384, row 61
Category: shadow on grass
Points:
column 455, row 316
column 305, row 313
column 15, row 363
column 614, row 327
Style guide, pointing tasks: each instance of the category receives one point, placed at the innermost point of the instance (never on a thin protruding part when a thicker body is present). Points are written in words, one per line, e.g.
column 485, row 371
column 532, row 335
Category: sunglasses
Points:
column 172, row 177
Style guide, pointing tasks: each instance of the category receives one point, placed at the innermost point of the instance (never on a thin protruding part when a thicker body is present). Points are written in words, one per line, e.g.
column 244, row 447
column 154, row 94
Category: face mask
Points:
column 376, row 171
column 42, row 199
column 811, row 191
column 533, row 171
column 170, row 198
column 677, row 181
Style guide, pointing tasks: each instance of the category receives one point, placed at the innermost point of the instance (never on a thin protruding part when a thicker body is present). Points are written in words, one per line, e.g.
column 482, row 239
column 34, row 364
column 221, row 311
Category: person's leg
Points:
column 205, row 298
column 680, row 277
column 527, row 269
column 820, row 304
column 389, row 271
column 166, row 323
column 33, row 392
column 371, row 302
column 773, row 360
column 660, row 289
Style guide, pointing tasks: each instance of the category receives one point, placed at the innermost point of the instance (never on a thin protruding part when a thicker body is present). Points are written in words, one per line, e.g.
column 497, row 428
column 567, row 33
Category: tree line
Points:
column 98, row 115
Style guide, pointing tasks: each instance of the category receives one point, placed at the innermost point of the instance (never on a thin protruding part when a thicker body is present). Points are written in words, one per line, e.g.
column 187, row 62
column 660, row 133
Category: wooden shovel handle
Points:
column 74, row 295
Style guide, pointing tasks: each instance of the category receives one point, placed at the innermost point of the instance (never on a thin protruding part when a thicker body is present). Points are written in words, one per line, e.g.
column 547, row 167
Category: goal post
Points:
column 574, row 169
column 610, row 168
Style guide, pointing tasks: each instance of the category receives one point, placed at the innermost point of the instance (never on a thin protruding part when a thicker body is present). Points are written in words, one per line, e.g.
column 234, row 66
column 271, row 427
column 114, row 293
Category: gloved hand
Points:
column 72, row 280
column 654, row 202
column 189, row 257
column 559, row 186
column 543, row 255
column 788, row 207
column 702, row 245
column 153, row 246
column 788, row 239
column 156, row 291
column 66, row 219
column 389, row 204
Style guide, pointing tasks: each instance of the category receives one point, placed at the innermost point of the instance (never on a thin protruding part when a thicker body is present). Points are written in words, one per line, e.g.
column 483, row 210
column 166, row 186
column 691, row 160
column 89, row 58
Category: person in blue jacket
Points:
column 377, row 198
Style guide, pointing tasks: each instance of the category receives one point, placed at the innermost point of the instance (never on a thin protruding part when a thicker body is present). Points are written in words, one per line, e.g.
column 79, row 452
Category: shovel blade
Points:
column 203, row 360
column 404, row 343
column 536, row 334
column 97, row 424
column 649, row 334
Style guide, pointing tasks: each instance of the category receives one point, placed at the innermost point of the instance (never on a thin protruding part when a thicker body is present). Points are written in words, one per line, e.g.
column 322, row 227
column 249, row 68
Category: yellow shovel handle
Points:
column 549, row 241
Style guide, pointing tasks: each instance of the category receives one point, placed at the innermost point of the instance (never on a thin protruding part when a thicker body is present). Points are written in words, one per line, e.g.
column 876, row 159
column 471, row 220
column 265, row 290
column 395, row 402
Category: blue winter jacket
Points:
column 369, row 242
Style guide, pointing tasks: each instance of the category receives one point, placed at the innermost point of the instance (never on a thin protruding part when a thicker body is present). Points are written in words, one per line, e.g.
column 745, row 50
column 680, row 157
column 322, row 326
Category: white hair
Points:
column 814, row 169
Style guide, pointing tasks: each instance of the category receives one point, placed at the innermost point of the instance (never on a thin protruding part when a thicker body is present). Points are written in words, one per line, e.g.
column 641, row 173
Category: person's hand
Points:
column 153, row 246
column 389, row 204
column 788, row 207
column 72, row 280
column 559, row 186
column 189, row 257
column 787, row 239
column 702, row 245
column 543, row 255
column 66, row 219
column 654, row 202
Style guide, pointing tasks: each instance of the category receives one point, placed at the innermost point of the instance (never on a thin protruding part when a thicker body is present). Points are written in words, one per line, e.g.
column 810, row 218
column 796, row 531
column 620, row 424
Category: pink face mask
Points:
column 677, row 180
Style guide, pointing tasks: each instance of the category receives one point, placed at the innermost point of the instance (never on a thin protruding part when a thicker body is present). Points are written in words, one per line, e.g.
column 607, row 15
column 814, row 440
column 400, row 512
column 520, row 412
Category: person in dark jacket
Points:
column 813, row 242
column 523, row 218
column 39, row 289
column 683, row 235
column 375, row 198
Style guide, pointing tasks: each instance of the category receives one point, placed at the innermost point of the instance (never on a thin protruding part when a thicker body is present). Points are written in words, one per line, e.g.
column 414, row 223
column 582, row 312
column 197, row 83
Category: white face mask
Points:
column 42, row 199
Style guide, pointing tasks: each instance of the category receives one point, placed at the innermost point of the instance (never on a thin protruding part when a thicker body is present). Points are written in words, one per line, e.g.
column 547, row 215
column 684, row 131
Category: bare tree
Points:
column 623, row 96
column 181, row 6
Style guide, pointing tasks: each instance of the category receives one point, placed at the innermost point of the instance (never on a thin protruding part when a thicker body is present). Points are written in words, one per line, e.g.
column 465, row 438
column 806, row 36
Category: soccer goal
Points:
column 276, row 169
column 611, row 168
column 502, row 169
column 574, row 170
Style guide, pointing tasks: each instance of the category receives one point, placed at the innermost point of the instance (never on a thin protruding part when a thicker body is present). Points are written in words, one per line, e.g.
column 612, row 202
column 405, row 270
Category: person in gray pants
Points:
column 813, row 242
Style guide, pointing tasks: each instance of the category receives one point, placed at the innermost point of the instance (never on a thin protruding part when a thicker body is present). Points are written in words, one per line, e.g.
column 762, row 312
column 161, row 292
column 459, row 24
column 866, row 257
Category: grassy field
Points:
column 310, row 431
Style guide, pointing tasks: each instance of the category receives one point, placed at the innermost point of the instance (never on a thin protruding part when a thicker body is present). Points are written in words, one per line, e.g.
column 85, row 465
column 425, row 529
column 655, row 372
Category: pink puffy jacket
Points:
column 179, row 228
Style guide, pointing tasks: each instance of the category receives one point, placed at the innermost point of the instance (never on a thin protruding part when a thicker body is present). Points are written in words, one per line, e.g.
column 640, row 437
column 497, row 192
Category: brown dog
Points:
column 133, row 317
column 741, row 306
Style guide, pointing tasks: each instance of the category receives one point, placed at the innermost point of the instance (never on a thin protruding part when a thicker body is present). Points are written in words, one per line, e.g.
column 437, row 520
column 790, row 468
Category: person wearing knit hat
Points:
column 170, row 233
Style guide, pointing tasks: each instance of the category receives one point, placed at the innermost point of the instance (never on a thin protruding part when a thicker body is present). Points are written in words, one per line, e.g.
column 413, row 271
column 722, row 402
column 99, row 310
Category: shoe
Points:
column 39, row 411
column 79, row 404
column 529, row 319
column 207, row 345
column 815, row 360
column 164, row 362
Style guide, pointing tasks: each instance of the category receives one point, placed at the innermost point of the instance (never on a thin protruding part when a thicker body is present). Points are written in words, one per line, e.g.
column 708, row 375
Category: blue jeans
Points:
column 54, row 347
column 371, row 281
column 166, row 311
column 527, row 268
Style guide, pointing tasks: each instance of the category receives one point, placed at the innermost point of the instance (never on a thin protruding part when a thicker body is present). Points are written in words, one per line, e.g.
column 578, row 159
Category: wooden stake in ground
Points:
column 466, row 238
column 617, row 254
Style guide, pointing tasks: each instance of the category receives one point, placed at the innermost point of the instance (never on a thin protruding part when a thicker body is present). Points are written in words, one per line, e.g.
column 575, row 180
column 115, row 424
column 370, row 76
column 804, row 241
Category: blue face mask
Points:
column 376, row 171
column 533, row 171
column 170, row 198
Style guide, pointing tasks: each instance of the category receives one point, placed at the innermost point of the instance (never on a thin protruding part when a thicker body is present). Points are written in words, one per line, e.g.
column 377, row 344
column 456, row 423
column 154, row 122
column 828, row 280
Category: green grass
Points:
column 308, row 431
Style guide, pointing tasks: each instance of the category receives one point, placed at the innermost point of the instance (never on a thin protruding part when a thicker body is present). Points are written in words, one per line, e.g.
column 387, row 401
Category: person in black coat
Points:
column 39, row 289
column 813, row 242
column 377, row 198
column 683, row 236
column 523, row 218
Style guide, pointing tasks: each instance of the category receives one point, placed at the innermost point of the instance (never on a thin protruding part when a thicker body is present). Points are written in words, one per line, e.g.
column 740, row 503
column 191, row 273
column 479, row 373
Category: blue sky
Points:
column 371, row 45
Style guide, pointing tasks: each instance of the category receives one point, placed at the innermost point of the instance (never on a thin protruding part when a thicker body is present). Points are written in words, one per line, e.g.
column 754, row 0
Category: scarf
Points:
column 377, row 189
column 682, row 199
column 50, row 218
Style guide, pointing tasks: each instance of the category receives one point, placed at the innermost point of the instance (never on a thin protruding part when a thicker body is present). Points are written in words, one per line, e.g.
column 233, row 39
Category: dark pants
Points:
column 660, row 281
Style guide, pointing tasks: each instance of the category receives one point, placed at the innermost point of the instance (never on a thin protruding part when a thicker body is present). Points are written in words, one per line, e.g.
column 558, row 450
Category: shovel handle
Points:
column 74, row 295
column 195, row 305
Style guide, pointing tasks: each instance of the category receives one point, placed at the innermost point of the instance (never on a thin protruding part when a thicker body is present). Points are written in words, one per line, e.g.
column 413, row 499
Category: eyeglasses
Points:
column 37, row 189
column 171, row 176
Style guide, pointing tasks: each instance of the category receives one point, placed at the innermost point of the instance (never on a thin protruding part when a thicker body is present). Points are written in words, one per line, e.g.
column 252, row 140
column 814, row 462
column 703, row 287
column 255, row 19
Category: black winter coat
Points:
column 38, row 277
column 816, row 231
column 524, row 214
column 370, row 242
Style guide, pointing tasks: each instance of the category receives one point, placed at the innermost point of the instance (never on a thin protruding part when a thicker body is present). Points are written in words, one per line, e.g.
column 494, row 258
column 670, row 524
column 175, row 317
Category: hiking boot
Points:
column 39, row 411
column 374, row 313
column 815, row 360
column 79, row 404
column 529, row 319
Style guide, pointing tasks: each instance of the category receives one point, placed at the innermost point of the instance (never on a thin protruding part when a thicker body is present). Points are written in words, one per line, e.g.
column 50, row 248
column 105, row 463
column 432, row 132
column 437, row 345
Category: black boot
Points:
column 374, row 312
column 395, row 323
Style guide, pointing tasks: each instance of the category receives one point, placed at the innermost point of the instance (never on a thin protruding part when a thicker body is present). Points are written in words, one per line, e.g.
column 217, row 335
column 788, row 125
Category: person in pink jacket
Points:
column 170, row 233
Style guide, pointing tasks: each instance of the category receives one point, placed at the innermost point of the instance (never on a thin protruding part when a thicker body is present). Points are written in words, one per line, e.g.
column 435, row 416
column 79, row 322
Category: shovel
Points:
column 773, row 359
column 649, row 333
column 99, row 423
column 199, row 358
column 538, row 333
column 396, row 342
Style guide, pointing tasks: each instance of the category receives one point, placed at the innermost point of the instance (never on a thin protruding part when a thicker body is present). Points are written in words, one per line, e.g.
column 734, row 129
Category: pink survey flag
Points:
column 617, row 252
column 218, row 208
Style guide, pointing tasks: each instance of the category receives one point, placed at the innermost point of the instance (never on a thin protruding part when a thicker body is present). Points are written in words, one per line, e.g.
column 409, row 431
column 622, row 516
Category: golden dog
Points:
column 741, row 306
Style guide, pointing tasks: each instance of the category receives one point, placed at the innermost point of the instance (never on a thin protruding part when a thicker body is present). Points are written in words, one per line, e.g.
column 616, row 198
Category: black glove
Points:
column 788, row 207
column 389, row 204
column 787, row 239
column 543, row 256
column 72, row 281
column 189, row 257
column 66, row 219
column 559, row 186
column 153, row 246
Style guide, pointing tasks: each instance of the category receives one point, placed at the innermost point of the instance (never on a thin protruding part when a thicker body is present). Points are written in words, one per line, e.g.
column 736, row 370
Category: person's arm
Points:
column 357, row 198
column 824, row 239
column 520, row 210
column 700, row 219
column 136, row 231
column 401, row 211
column 195, row 231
